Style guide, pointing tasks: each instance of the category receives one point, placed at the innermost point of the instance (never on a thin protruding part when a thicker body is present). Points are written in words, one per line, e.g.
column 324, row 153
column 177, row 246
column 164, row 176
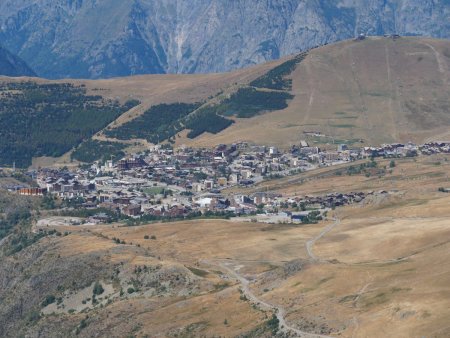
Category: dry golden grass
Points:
column 384, row 269
column 378, row 90
column 204, row 315
column 367, row 288
column 186, row 241
column 390, row 259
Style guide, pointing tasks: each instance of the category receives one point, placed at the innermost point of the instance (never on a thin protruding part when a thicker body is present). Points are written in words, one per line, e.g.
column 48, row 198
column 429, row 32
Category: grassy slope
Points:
column 364, row 292
column 379, row 90
column 151, row 90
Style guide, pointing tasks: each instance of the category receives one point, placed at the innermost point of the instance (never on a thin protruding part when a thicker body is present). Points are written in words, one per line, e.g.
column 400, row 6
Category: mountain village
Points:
column 167, row 184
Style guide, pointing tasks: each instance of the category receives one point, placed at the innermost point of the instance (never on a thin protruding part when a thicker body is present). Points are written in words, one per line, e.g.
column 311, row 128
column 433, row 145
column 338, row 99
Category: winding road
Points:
column 279, row 311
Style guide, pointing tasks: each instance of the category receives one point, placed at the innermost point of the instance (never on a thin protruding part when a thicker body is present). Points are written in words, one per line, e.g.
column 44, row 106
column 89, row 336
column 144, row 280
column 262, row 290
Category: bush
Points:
column 33, row 317
column 131, row 290
column 98, row 289
column 50, row 299
column 83, row 324
column 273, row 324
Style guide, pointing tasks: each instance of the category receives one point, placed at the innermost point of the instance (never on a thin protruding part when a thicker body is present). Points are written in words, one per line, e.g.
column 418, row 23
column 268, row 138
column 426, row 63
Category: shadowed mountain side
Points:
column 12, row 65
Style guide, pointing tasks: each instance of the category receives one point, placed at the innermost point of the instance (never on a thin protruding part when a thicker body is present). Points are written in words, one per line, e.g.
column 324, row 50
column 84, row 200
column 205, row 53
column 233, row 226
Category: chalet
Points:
column 32, row 192
column 208, row 184
column 130, row 163
column 246, row 174
column 309, row 151
column 132, row 210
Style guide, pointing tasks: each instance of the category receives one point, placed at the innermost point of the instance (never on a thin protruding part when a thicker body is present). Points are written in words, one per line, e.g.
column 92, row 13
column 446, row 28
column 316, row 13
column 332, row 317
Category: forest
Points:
column 157, row 124
column 49, row 119
column 206, row 120
column 248, row 102
column 93, row 150
column 277, row 77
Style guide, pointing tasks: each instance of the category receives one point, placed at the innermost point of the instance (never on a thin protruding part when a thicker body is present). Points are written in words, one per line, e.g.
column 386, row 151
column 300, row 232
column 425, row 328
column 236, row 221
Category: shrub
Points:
column 98, row 289
column 49, row 299
column 273, row 324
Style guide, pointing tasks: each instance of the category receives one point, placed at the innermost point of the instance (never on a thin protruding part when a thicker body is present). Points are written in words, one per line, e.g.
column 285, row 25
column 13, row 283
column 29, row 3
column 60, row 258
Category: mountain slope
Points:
column 49, row 119
column 368, row 92
column 11, row 65
column 92, row 39
column 378, row 90
column 71, row 111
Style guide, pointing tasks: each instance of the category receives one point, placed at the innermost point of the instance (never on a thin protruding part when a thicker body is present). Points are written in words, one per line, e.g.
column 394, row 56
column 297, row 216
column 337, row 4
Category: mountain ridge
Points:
column 67, row 39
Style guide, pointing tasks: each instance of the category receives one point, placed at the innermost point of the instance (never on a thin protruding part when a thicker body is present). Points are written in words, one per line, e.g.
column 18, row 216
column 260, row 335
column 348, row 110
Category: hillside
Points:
column 374, row 91
column 49, row 119
column 378, row 90
column 375, row 268
column 12, row 65
column 82, row 108
column 368, row 92
column 109, row 38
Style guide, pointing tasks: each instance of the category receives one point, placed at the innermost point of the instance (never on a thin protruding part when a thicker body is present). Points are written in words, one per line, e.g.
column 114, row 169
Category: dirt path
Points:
column 312, row 92
column 311, row 242
column 441, row 64
column 279, row 311
column 393, row 91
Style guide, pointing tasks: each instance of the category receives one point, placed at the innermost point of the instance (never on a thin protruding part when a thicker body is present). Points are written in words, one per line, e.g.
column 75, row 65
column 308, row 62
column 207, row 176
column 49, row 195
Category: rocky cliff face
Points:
column 11, row 65
column 95, row 39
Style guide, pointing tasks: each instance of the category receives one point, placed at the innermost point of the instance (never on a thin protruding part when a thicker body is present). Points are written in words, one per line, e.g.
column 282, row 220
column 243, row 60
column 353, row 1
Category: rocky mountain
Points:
column 101, row 39
column 11, row 65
